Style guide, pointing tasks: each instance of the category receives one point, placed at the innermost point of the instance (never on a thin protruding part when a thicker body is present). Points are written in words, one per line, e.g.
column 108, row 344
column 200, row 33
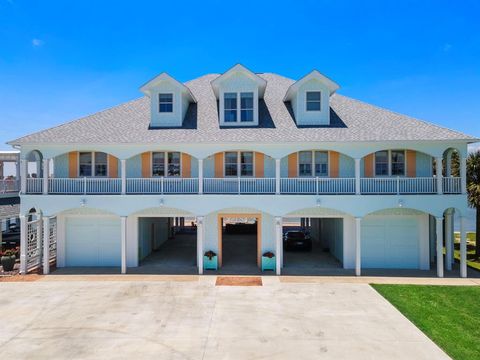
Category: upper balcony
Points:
column 312, row 172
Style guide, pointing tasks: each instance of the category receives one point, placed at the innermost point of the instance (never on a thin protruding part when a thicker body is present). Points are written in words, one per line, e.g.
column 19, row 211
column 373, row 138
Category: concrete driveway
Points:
column 191, row 318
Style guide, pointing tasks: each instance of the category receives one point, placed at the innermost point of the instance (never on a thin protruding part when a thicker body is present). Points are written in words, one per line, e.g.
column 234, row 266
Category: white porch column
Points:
column 439, row 169
column 278, row 244
column 46, row 245
column 200, row 235
column 123, row 224
column 358, row 258
column 448, row 164
column 200, row 177
column 277, row 176
column 439, row 226
column 23, row 175
column 123, row 174
column 17, row 175
column 357, row 176
column 46, row 171
column 448, row 240
column 23, row 244
column 463, row 174
column 463, row 248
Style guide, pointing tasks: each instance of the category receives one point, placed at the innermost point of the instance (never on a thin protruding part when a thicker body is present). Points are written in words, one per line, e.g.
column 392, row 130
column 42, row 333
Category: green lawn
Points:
column 449, row 315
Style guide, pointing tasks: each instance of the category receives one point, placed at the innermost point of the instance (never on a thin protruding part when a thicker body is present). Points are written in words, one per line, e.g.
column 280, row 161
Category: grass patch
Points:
column 449, row 315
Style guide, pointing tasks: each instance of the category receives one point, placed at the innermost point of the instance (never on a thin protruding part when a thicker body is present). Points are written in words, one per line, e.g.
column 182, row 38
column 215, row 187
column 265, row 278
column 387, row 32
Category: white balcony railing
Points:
column 84, row 186
column 317, row 185
column 452, row 185
column 34, row 185
column 162, row 185
column 398, row 185
column 239, row 185
column 9, row 186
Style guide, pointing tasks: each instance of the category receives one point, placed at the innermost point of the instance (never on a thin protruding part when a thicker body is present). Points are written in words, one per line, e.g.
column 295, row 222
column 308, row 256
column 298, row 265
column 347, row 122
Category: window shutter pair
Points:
column 186, row 165
column 333, row 163
column 73, row 165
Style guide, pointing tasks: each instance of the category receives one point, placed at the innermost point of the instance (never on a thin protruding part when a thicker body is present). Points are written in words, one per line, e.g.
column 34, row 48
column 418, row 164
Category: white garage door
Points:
column 92, row 241
column 390, row 242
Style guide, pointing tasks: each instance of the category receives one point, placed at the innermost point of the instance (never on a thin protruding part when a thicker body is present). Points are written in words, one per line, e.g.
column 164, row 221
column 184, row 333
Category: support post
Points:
column 46, row 171
column 463, row 174
column 200, row 234
column 448, row 164
column 23, row 175
column 357, row 176
column 439, row 169
column 277, row 176
column 463, row 248
column 278, row 244
column 448, row 240
column 439, row 227
column 23, row 244
column 358, row 258
column 123, row 224
column 123, row 173
column 200, row 176
column 46, row 245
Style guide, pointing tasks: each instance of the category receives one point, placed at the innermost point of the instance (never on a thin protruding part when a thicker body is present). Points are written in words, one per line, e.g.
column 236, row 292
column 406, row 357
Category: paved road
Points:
column 194, row 319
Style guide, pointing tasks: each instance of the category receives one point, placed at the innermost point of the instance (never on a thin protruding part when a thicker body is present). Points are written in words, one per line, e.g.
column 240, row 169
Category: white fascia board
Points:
column 315, row 74
column 262, row 83
column 145, row 88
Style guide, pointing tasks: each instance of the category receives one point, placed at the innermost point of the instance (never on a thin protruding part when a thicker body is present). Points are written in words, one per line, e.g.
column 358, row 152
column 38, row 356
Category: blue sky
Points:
column 62, row 60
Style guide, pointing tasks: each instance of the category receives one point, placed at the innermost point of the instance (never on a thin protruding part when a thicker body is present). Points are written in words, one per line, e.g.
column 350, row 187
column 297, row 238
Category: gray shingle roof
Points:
column 352, row 120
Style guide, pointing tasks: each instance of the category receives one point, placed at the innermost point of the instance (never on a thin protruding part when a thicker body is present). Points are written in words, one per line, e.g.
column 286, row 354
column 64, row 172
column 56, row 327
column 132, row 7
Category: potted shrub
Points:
column 210, row 260
column 268, row 261
column 8, row 260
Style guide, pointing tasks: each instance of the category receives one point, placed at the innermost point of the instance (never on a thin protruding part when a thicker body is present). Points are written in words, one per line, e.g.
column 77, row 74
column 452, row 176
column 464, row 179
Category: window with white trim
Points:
column 313, row 101
column 166, row 163
column 92, row 163
column 238, row 107
column 239, row 163
column 165, row 102
column 230, row 107
column 313, row 163
column 390, row 163
column 246, row 106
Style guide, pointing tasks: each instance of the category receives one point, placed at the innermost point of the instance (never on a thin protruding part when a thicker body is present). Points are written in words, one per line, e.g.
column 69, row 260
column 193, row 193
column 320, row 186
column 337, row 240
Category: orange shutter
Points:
column 292, row 165
column 334, row 164
column 186, row 165
column 411, row 163
column 259, row 165
column 218, row 165
column 368, row 166
column 73, row 164
column 146, row 164
column 112, row 166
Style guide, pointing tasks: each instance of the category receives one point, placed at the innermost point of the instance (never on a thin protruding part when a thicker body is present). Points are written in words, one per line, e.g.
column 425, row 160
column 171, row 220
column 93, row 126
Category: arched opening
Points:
column 315, row 241
column 451, row 171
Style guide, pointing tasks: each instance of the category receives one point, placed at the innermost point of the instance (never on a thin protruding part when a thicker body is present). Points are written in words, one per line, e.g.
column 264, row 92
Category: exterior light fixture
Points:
column 319, row 202
column 83, row 202
column 400, row 203
column 161, row 202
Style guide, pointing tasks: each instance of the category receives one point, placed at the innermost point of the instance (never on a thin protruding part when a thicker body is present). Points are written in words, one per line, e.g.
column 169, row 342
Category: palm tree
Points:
column 473, row 189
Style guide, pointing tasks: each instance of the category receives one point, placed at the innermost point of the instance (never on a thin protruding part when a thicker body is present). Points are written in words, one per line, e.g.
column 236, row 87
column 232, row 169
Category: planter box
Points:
column 210, row 264
column 268, row 263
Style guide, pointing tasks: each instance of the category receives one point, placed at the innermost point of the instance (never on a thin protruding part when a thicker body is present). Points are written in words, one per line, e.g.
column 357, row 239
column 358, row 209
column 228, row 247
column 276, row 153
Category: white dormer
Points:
column 310, row 99
column 169, row 100
column 238, row 91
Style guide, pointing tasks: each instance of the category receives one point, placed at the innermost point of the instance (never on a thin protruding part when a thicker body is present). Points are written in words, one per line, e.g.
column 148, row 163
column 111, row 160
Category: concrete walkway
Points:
column 188, row 317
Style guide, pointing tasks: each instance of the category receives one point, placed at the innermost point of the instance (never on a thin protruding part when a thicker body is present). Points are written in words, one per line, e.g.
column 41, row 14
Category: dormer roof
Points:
column 262, row 83
column 331, row 85
column 157, row 80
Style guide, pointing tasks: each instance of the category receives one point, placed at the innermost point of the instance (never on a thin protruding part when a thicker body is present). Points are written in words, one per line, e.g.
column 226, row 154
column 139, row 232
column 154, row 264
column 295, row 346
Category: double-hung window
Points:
column 165, row 103
column 238, row 163
column 246, row 106
column 390, row 163
column 313, row 163
column 313, row 101
column 92, row 164
column 230, row 106
column 166, row 164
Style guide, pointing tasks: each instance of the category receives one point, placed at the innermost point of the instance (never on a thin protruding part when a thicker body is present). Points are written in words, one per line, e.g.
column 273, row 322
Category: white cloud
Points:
column 37, row 42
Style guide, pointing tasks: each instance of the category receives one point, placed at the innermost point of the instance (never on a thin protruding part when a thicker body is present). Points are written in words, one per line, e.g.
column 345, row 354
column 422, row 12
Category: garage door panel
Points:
column 92, row 241
column 390, row 242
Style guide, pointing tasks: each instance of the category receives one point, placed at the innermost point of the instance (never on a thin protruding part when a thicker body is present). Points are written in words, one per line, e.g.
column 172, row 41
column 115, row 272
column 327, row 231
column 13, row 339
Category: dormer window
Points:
column 313, row 100
column 232, row 111
column 165, row 103
column 230, row 107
